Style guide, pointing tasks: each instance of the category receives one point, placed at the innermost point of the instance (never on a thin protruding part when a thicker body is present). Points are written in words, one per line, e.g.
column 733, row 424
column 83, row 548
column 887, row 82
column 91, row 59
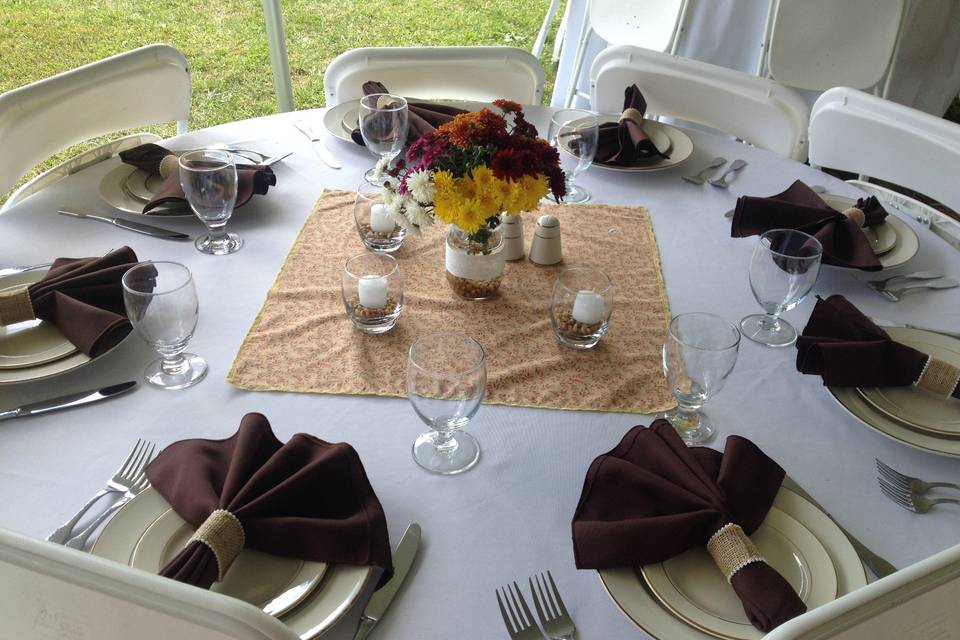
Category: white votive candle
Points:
column 380, row 220
column 372, row 291
column 588, row 307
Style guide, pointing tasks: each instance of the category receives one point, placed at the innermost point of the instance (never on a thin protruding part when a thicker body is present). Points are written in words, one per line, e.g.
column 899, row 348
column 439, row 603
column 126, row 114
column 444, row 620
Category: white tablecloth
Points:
column 510, row 516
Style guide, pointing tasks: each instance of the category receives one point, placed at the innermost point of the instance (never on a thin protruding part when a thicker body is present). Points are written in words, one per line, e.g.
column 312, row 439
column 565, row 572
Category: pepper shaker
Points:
column 513, row 237
column 545, row 249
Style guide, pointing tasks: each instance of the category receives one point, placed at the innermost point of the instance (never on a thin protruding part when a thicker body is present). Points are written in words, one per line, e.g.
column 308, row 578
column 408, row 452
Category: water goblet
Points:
column 161, row 302
column 699, row 352
column 575, row 133
column 377, row 228
column 446, row 381
column 372, row 290
column 209, row 181
column 783, row 269
column 580, row 306
column 384, row 121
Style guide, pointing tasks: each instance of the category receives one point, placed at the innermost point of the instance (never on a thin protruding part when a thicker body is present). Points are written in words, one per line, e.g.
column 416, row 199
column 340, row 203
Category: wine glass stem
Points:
column 218, row 230
column 173, row 364
column 444, row 441
column 770, row 322
column 687, row 417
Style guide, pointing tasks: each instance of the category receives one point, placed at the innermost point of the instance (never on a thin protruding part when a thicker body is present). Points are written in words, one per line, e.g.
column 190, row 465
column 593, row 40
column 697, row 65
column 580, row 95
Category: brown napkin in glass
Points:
column 652, row 497
column 801, row 208
column 82, row 297
column 251, row 178
column 423, row 117
column 624, row 143
column 305, row 499
column 847, row 349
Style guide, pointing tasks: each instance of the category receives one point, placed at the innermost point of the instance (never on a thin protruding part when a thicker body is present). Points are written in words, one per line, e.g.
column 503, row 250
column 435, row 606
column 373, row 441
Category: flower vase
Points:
column 474, row 262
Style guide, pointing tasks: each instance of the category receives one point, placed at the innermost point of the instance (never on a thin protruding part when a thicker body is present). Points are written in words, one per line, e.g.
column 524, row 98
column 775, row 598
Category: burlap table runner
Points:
column 303, row 341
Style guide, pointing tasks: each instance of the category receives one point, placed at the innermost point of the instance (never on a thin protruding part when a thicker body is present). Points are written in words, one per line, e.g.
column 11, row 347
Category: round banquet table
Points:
column 509, row 517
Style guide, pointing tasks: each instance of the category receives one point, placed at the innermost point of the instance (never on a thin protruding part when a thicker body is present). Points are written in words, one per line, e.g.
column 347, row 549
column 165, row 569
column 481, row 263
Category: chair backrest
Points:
column 49, row 591
column 756, row 110
column 650, row 24
column 818, row 44
column 145, row 86
column 444, row 73
column 859, row 132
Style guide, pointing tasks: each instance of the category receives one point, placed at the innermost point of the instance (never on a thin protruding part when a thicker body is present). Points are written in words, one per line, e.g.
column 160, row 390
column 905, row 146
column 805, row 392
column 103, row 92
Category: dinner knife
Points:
column 67, row 401
column 318, row 147
column 139, row 227
column 880, row 567
column 402, row 560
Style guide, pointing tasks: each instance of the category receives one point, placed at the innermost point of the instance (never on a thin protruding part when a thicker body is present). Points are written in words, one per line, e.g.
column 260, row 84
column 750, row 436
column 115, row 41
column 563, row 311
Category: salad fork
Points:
column 911, row 500
column 701, row 177
column 919, row 275
column 553, row 614
column 519, row 622
column 721, row 182
column 905, row 483
column 895, row 294
column 139, row 485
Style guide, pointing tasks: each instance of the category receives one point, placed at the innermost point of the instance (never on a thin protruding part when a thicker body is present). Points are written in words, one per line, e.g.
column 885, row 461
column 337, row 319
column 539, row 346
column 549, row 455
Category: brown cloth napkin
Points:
column 82, row 297
column 624, row 143
column 305, row 499
column 801, row 208
column 251, row 178
column 847, row 349
column 652, row 497
column 423, row 117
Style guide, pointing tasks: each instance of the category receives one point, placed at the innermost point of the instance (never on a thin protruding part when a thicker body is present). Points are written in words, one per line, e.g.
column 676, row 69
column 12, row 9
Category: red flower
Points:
column 509, row 106
column 558, row 182
column 508, row 164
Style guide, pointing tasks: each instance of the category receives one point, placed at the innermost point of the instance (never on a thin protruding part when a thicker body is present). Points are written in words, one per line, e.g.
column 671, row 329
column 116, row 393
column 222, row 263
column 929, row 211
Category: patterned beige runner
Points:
column 303, row 341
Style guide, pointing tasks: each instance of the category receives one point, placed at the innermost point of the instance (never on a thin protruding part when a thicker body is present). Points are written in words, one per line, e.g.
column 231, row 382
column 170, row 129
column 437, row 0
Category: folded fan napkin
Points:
column 306, row 499
column 801, row 208
column 152, row 158
column 623, row 143
column 82, row 297
column 847, row 349
column 652, row 498
column 423, row 117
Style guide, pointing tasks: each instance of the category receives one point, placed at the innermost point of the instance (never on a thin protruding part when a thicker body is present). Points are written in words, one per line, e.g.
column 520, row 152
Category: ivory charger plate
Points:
column 341, row 119
column 677, row 143
column 895, row 231
column 338, row 589
column 30, row 343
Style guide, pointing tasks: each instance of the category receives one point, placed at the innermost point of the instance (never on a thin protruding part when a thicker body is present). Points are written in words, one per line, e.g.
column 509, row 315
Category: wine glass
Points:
column 446, row 381
column 699, row 353
column 575, row 133
column 209, row 181
column 783, row 270
column 384, row 121
column 161, row 302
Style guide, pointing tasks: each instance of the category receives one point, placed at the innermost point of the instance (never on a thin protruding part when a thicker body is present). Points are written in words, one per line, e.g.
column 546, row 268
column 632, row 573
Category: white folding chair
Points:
column 145, row 86
column 651, row 24
column 443, row 73
column 855, row 131
column 756, row 110
column 49, row 591
column 818, row 44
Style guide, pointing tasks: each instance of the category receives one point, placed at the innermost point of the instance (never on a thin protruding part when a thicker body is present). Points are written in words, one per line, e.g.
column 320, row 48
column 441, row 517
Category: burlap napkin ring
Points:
column 938, row 377
column 169, row 165
column 633, row 115
column 223, row 533
column 15, row 306
column 732, row 550
column 856, row 214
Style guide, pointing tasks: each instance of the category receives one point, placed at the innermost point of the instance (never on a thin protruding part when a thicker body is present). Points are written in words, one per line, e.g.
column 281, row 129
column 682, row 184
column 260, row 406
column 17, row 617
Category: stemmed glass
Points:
column 575, row 133
column 446, row 381
column 209, row 181
column 699, row 353
column 161, row 302
column 384, row 121
column 783, row 270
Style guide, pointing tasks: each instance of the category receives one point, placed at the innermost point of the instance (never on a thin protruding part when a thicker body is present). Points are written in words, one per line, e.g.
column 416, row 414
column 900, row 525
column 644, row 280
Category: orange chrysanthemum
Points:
column 476, row 128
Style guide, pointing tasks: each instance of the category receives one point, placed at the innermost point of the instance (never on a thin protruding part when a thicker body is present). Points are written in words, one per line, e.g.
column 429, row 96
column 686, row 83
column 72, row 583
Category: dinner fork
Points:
column 896, row 294
column 907, row 483
column 121, row 481
column 721, row 182
column 919, row 275
column 554, row 619
column 911, row 500
column 519, row 622
column 701, row 177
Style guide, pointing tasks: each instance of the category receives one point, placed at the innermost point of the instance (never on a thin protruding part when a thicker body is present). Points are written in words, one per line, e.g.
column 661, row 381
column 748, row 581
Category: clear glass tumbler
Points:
column 446, row 382
column 699, row 352
column 209, row 181
column 575, row 133
column 161, row 302
column 372, row 289
column 580, row 307
column 383, row 126
column 377, row 229
column 783, row 270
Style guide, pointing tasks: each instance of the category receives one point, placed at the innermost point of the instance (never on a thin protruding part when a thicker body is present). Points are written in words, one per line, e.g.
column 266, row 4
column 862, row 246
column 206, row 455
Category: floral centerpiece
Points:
column 467, row 173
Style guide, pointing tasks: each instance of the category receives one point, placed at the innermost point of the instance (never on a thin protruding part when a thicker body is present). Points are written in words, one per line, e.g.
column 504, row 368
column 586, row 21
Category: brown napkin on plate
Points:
column 847, row 349
column 801, row 208
column 423, row 117
column 82, row 297
column 624, row 143
column 305, row 499
column 652, row 498
column 251, row 178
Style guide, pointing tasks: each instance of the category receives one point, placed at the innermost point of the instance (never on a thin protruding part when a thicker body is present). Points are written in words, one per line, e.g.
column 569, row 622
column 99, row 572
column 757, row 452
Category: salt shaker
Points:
column 545, row 248
column 513, row 237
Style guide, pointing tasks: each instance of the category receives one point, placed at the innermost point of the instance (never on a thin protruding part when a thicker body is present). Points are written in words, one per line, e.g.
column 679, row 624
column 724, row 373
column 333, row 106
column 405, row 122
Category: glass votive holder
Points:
column 372, row 288
column 581, row 306
column 377, row 228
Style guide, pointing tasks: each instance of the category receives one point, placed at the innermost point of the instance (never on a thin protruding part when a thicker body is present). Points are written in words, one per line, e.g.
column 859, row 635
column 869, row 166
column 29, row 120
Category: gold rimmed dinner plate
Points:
column 629, row 590
column 272, row 583
column 905, row 243
column 129, row 189
column 692, row 588
column 339, row 588
column 34, row 342
column 679, row 145
column 882, row 237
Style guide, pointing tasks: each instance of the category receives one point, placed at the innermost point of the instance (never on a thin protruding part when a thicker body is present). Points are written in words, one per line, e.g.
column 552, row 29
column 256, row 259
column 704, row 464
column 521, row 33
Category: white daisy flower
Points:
column 420, row 184
column 380, row 167
column 418, row 214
